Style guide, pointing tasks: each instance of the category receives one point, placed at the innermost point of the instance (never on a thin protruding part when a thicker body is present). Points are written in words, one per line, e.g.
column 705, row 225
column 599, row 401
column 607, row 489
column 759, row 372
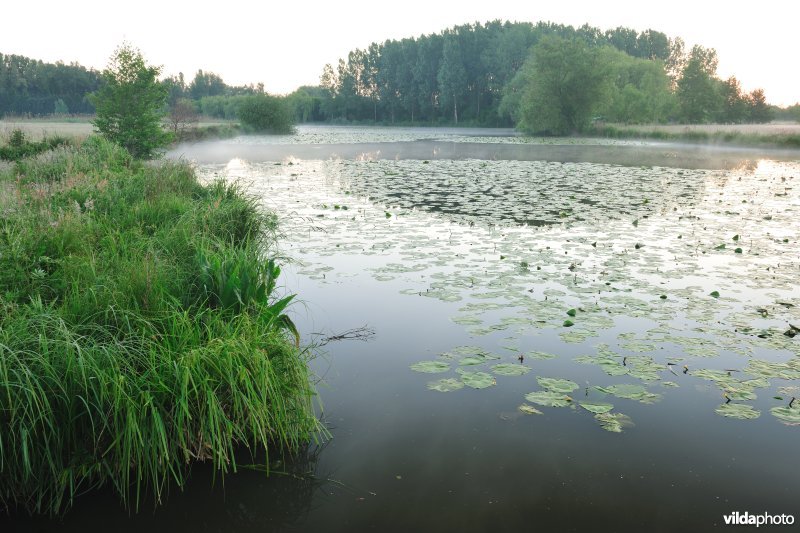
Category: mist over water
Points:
column 332, row 142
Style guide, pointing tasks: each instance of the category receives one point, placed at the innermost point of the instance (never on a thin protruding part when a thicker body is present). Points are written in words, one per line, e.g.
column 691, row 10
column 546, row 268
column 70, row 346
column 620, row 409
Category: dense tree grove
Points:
column 543, row 77
column 28, row 86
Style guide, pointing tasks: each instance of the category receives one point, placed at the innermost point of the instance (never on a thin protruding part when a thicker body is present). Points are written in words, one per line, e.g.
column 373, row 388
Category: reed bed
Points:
column 140, row 330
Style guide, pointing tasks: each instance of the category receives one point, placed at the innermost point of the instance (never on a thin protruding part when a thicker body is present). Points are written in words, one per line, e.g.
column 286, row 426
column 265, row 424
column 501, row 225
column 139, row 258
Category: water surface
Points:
column 470, row 250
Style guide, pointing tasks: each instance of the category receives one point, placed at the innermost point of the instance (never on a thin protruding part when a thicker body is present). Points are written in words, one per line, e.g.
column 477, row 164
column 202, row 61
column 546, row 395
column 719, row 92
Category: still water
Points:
column 569, row 335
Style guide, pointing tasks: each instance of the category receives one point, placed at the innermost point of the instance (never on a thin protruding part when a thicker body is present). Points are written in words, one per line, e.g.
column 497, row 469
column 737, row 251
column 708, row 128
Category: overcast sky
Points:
column 286, row 44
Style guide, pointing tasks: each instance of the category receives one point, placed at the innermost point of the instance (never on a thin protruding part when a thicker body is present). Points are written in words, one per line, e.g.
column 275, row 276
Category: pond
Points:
column 569, row 335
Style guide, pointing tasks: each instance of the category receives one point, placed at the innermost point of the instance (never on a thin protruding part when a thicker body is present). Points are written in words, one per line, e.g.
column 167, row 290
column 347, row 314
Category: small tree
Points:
column 182, row 116
column 130, row 103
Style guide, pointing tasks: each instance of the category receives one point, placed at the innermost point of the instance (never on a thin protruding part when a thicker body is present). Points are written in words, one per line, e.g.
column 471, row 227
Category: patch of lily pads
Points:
column 521, row 267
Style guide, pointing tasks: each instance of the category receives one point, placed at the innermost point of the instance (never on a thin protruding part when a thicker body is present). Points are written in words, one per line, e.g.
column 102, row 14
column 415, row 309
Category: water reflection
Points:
column 247, row 501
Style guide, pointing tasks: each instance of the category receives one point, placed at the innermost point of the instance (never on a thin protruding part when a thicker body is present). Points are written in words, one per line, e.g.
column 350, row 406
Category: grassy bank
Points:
column 139, row 329
column 747, row 135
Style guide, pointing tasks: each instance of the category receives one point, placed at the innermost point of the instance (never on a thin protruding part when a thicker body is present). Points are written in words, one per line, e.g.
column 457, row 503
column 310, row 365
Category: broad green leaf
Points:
column 788, row 415
column 737, row 410
column 477, row 380
column 630, row 392
column 529, row 409
column 563, row 386
column 446, row 385
column 597, row 407
column 430, row 367
column 613, row 422
column 510, row 369
column 549, row 398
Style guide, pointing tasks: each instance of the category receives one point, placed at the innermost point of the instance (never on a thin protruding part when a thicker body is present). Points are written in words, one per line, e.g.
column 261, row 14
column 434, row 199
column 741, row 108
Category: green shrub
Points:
column 265, row 114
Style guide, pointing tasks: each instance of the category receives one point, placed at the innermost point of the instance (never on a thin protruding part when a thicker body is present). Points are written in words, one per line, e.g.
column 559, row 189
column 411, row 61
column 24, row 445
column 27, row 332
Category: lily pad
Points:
column 563, row 386
column 475, row 360
column 430, row 367
column 549, row 398
column 738, row 410
column 788, row 415
column 630, row 392
column 477, row 380
column 445, row 385
column 613, row 422
column 529, row 409
column 510, row 369
column 597, row 407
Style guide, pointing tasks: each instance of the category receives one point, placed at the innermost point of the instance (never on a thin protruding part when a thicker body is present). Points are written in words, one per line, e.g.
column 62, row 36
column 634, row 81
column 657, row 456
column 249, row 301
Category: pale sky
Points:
column 286, row 44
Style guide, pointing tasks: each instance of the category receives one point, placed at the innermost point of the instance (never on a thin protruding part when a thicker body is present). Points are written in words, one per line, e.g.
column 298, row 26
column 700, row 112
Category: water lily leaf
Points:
column 738, row 410
column 445, row 385
column 529, row 409
column 740, row 394
column 630, row 392
column 540, row 355
column 788, row 415
column 715, row 294
column 549, row 398
column 470, row 361
column 597, row 407
column 430, row 367
column 563, row 386
column 613, row 422
column 510, row 369
column 477, row 380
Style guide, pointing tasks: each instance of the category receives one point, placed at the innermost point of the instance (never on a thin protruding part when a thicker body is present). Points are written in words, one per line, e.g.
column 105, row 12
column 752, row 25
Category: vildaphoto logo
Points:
column 765, row 519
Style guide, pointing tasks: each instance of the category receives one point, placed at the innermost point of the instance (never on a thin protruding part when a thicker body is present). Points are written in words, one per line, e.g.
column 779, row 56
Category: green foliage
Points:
column 33, row 87
column 130, row 104
column 563, row 84
column 265, row 114
column 697, row 95
column 119, row 363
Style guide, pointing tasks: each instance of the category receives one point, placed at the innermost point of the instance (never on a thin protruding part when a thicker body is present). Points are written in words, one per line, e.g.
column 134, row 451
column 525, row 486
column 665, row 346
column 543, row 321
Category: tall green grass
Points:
column 140, row 329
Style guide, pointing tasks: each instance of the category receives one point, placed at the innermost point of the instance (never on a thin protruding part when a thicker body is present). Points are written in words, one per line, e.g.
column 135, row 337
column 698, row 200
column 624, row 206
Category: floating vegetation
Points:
column 529, row 409
column 549, row 398
column 597, row 407
column 445, row 385
column 738, row 410
column 507, row 369
column 564, row 386
column 786, row 414
column 477, row 380
column 430, row 367
column 492, row 236
column 630, row 392
column 613, row 422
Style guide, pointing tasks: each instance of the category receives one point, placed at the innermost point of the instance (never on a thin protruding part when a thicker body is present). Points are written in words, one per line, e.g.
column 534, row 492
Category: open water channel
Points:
column 569, row 335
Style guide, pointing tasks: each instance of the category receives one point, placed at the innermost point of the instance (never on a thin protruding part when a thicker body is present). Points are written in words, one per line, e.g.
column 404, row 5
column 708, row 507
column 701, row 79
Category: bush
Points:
column 265, row 114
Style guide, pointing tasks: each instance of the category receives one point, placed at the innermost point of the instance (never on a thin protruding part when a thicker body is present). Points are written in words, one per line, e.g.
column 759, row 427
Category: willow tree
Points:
column 561, row 84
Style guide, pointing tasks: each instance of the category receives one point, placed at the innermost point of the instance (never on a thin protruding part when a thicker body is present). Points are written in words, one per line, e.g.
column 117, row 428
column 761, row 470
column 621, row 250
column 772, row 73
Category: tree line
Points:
column 543, row 78
column 504, row 73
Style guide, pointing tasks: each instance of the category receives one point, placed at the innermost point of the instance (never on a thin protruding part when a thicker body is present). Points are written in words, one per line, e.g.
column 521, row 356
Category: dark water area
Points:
column 377, row 240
